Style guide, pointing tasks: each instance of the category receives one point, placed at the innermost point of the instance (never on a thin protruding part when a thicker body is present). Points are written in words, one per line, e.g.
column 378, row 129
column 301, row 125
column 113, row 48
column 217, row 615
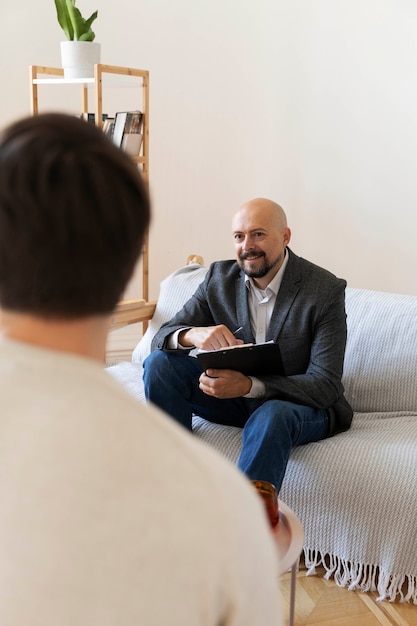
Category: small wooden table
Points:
column 289, row 539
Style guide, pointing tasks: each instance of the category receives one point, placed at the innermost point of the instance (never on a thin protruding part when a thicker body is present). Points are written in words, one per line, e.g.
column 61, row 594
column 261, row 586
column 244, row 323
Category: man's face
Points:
column 260, row 239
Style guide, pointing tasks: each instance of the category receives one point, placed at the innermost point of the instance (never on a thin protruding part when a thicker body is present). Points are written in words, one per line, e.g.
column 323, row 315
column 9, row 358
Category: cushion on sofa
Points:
column 174, row 292
column 380, row 370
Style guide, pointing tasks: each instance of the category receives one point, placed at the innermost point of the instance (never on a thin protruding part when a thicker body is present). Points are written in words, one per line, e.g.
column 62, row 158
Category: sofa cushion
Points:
column 174, row 292
column 380, row 371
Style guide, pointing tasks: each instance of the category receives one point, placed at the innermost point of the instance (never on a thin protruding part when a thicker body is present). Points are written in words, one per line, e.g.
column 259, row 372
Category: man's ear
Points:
column 287, row 236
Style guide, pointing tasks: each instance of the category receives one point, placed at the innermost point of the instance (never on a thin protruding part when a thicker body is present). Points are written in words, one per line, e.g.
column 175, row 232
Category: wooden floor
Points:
column 319, row 601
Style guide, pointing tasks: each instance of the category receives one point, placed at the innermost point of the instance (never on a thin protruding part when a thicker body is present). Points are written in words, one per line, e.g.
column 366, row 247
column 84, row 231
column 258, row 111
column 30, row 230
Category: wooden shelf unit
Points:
column 129, row 311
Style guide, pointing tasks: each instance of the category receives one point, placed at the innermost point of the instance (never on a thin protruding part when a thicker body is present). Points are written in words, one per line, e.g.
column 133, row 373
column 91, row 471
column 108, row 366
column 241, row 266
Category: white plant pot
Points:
column 79, row 57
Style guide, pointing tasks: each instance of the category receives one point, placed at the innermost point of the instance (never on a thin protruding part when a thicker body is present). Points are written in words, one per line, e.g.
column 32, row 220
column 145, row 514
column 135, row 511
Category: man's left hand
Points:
column 224, row 383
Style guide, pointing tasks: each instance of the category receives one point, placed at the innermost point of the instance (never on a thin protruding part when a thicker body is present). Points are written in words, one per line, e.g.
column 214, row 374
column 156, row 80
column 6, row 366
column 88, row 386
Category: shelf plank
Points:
column 131, row 312
column 63, row 81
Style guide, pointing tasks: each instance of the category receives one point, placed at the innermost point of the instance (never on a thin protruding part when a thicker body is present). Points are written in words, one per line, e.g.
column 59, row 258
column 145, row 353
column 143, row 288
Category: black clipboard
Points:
column 251, row 359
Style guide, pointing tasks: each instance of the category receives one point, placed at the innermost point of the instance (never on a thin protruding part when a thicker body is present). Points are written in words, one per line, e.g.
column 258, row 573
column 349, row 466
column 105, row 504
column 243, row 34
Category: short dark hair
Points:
column 74, row 211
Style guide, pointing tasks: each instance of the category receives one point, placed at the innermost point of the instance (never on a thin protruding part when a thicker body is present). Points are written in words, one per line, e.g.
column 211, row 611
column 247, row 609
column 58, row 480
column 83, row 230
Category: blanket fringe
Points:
column 362, row 577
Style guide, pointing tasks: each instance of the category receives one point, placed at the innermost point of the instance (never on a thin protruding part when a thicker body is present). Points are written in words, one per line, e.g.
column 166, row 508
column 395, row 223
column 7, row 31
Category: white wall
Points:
column 310, row 102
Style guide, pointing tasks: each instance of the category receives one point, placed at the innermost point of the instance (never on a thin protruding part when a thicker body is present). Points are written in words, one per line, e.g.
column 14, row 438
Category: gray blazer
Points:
column 308, row 323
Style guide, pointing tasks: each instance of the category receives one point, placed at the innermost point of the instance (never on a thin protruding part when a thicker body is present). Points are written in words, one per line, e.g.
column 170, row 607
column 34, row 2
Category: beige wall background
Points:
column 310, row 102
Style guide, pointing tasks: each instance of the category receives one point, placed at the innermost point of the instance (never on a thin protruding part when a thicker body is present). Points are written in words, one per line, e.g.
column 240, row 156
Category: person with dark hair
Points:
column 74, row 214
column 267, row 294
column 110, row 513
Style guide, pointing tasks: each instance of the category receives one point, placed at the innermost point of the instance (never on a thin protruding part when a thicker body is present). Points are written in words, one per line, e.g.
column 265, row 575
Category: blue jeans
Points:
column 271, row 428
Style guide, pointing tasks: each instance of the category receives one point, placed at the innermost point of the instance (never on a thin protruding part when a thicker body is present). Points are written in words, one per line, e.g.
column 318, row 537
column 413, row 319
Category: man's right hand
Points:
column 208, row 337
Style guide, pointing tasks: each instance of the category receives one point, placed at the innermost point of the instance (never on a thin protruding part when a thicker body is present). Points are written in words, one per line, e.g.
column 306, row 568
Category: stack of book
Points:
column 125, row 129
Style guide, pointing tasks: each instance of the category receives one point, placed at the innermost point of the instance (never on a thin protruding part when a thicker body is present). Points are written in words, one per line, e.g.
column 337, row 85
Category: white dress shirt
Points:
column 261, row 303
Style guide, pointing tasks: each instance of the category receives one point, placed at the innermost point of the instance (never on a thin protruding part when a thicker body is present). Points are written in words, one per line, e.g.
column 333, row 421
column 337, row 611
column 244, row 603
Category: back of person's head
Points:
column 73, row 215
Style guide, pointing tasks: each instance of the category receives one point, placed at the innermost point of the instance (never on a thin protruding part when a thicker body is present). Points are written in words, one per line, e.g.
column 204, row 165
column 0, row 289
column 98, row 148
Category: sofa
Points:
column 355, row 493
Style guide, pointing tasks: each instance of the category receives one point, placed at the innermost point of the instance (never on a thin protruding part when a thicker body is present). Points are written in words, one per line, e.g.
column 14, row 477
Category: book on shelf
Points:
column 127, row 131
column 108, row 126
column 252, row 359
column 132, row 143
column 91, row 117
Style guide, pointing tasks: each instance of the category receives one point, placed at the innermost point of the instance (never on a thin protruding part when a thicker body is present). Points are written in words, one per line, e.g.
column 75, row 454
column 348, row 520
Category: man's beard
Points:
column 262, row 270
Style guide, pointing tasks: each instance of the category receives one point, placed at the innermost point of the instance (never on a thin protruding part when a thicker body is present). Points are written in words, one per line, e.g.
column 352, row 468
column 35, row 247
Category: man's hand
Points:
column 208, row 337
column 224, row 383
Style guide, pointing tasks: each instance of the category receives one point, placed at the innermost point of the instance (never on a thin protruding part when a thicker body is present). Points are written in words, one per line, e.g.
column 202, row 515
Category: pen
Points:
column 237, row 330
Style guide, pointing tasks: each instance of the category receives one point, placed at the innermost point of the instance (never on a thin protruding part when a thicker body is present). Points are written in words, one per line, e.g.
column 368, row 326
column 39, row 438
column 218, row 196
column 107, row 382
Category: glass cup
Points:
column 269, row 495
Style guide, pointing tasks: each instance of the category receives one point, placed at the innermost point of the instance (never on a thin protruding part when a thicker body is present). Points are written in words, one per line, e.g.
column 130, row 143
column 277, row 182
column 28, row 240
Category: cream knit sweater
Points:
column 112, row 515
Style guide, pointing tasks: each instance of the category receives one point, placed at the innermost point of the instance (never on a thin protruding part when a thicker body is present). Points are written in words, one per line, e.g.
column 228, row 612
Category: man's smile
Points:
column 251, row 256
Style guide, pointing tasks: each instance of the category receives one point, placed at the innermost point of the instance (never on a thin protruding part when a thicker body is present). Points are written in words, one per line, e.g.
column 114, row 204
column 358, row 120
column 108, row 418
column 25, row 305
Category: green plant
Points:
column 72, row 23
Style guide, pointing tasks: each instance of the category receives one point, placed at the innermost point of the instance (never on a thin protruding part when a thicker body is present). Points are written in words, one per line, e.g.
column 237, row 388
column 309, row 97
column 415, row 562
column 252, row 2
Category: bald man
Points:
column 271, row 294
